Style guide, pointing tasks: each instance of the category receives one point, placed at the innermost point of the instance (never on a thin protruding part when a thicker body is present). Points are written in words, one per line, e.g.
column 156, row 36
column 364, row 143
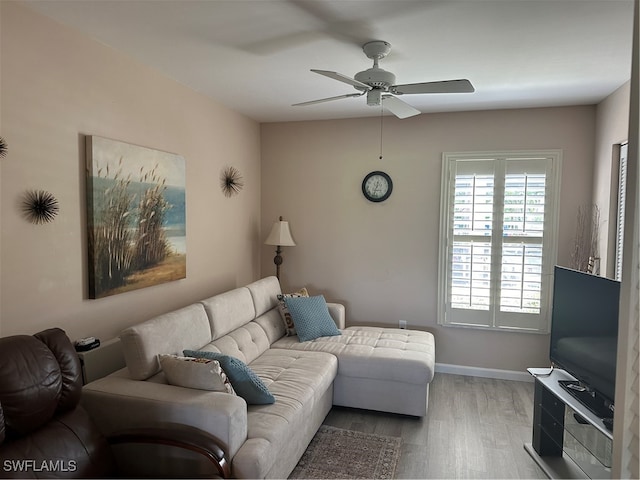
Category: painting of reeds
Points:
column 136, row 217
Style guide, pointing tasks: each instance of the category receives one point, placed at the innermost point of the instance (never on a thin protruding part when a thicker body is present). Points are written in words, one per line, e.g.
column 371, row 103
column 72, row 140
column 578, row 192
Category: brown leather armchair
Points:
column 45, row 433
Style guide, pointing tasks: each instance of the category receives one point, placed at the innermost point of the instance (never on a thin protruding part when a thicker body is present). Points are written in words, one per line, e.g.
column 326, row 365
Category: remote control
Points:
column 85, row 341
column 576, row 387
column 85, row 344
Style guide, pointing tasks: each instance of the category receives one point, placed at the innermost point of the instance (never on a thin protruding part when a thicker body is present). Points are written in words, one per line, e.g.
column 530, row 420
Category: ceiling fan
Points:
column 380, row 87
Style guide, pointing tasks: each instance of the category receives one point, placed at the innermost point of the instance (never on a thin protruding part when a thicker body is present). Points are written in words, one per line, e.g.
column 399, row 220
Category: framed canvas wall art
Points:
column 136, row 216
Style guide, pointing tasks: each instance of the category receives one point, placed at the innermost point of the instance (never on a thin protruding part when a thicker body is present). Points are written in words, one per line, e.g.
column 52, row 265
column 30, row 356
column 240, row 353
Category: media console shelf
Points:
column 569, row 440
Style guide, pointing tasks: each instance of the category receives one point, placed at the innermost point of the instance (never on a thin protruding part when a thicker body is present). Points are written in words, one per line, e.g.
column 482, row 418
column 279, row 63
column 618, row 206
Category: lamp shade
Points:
column 280, row 235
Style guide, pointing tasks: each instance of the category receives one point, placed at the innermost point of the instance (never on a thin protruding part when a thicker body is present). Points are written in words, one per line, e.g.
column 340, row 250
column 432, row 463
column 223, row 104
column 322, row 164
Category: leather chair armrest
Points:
column 180, row 436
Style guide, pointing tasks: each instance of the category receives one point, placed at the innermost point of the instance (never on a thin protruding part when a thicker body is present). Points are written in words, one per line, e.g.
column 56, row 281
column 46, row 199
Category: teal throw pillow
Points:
column 244, row 380
column 311, row 317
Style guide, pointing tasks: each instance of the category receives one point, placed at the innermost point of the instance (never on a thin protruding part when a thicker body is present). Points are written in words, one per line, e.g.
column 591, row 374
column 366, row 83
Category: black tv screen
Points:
column 584, row 328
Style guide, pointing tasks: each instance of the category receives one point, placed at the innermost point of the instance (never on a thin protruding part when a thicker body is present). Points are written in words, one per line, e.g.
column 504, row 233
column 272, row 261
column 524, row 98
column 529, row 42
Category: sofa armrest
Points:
column 117, row 402
column 337, row 312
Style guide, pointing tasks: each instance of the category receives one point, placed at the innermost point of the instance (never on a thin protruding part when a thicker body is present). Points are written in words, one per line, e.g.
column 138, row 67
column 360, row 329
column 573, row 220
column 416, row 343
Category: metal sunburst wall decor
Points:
column 3, row 147
column 231, row 181
column 40, row 206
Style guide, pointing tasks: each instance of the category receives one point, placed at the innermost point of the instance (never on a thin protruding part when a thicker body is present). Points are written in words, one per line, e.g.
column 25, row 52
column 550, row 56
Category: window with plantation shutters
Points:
column 622, row 191
column 498, row 239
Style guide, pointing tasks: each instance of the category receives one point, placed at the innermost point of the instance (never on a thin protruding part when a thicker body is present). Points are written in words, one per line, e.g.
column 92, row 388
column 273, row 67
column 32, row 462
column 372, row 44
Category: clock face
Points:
column 377, row 186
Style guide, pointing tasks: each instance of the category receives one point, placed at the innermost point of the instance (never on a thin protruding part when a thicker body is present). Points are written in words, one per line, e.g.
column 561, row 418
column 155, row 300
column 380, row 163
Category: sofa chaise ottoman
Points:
column 384, row 369
column 363, row 367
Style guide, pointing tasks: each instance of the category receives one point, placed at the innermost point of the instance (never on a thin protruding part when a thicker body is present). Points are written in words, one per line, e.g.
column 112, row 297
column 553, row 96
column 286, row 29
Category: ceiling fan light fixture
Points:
column 374, row 97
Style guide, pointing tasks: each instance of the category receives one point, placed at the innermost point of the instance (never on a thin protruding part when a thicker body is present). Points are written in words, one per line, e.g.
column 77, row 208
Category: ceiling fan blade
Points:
column 398, row 107
column 342, row 78
column 354, row 32
column 322, row 100
column 446, row 86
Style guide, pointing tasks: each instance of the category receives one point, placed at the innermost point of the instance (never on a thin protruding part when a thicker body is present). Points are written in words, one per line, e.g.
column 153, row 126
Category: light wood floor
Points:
column 475, row 428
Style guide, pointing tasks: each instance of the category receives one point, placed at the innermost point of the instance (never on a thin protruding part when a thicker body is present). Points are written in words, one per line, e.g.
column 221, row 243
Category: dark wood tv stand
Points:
column 569, row 440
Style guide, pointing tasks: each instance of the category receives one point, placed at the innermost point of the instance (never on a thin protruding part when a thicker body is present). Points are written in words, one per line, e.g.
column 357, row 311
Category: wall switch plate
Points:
column 402, row 324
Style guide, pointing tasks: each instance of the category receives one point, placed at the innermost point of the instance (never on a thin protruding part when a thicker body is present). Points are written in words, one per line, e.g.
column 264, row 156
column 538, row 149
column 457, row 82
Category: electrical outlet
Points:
column 402, row 324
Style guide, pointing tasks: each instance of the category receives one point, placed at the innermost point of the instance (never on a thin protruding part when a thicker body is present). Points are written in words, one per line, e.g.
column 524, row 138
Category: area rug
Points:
column 337, row 453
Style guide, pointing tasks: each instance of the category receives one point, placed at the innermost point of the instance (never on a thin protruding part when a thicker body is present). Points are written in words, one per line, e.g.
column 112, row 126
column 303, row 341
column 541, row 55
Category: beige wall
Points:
column 56, row 87
column 612, row 129
column 381, row 259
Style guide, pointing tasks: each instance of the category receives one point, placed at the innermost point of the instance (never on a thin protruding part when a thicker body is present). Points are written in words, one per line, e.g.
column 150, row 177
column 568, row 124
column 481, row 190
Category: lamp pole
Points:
column 278, row 260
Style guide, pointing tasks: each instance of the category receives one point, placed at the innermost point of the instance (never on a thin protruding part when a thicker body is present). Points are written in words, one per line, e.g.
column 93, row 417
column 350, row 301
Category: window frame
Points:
column 495, row 319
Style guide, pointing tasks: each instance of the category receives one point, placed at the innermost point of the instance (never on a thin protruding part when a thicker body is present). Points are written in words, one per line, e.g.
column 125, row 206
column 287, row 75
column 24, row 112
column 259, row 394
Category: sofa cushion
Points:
column 173, row 332
column 229, row 310
column 277, row 434
column 271, row 324
column 376, row 353
column 311, row 317
column 244, row 380
column 264, row 293
column 285, row 314
column 199, row 373
column 246, row 343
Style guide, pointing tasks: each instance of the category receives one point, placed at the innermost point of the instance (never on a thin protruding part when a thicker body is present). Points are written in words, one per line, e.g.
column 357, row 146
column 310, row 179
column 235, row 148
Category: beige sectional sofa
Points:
column 372, row 368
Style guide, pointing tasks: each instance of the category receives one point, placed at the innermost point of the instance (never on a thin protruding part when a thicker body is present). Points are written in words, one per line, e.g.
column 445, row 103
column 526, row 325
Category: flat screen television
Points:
column 584, row 331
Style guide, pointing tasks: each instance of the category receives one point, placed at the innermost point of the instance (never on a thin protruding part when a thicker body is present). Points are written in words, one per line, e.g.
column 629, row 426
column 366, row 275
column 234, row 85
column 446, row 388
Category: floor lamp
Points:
column 280, row 236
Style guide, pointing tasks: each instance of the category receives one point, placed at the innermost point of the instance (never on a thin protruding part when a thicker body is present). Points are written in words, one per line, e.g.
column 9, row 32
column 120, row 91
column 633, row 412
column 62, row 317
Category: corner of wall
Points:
column 612, row 125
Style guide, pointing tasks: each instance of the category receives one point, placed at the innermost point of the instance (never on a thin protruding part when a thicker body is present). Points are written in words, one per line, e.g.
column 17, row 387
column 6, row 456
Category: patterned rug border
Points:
column 337, row 453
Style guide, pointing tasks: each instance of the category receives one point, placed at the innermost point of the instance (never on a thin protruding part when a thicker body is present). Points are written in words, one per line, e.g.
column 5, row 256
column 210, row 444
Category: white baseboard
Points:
column 484, row 372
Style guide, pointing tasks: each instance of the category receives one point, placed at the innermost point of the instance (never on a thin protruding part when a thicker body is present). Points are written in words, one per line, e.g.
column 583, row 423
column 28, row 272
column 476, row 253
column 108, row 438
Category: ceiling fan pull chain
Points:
column 381, row 117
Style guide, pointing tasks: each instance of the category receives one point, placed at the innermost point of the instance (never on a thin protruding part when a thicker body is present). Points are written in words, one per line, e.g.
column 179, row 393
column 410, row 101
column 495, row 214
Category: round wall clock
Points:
column 377, row 186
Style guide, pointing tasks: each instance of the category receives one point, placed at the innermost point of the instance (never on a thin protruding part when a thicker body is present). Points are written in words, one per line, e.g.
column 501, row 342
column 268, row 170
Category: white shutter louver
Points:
column 622, row 188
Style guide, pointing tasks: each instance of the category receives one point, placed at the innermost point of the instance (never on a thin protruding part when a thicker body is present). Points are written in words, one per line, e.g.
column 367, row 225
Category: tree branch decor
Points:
column 231, row 181
column 40, row 206
column 585, row 248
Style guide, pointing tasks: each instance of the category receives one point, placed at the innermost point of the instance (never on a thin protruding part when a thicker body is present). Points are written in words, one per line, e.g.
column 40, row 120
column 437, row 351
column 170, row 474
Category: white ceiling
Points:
column 254, row 55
